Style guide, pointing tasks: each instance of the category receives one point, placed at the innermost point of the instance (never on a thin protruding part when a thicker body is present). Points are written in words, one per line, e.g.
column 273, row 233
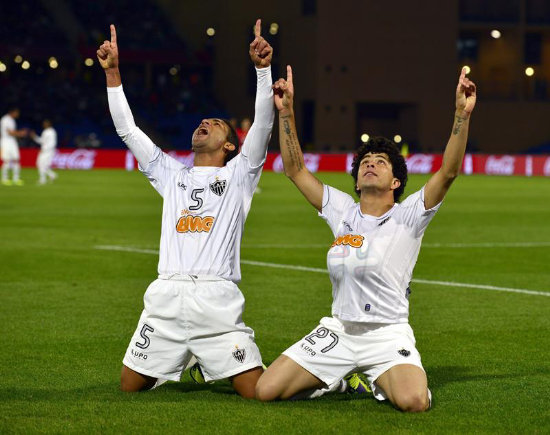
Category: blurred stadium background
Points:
column 363, row 67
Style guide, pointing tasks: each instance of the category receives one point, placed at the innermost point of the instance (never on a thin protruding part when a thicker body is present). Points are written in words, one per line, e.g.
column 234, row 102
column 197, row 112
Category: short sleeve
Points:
column 413, row 213
column 161, row 169
column 335, row 204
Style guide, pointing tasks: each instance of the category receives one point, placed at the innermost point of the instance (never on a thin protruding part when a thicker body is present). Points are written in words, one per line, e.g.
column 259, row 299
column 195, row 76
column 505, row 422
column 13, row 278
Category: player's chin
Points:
column 197, row 142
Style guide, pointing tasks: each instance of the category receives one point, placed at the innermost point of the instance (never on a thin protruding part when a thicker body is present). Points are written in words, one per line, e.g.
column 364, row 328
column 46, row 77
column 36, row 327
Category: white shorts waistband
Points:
column 179, row 277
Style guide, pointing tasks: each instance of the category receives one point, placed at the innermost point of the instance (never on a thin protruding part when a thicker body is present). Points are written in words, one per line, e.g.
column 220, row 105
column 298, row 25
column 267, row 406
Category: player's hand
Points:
column 465, row 94
column 107, row 54
column 260, row 51
column 283, row 92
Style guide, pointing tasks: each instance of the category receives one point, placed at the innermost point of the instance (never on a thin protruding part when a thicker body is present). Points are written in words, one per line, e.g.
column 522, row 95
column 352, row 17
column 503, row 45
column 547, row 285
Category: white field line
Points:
column 319, row 270
column 424, row 245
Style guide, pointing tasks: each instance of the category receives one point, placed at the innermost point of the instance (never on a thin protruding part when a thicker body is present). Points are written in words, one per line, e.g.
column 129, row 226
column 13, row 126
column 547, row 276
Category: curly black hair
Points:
column 231, row 138
column 379, row 144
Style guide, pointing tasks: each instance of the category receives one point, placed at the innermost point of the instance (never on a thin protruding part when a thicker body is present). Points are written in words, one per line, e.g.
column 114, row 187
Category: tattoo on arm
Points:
column 458, row 124
column 286, row 126
column 292, row 144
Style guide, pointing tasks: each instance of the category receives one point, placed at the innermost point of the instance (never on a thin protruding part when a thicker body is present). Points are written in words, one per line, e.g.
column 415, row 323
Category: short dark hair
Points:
column 231, row 138
column 379, row 144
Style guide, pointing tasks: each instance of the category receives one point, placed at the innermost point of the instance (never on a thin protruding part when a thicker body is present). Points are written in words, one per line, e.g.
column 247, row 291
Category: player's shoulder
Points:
column 336, row 195
column 412, row 199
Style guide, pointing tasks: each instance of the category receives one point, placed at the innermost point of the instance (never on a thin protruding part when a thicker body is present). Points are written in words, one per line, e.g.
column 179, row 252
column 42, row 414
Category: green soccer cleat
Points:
column 6, row 182
column 357, row 383
column 196, row 374
column 18, row 182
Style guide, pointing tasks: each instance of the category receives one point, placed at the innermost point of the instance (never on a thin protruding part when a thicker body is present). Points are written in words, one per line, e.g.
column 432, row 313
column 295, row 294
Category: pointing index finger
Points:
column 113, row 34
column 289, row 74
column 258, row 27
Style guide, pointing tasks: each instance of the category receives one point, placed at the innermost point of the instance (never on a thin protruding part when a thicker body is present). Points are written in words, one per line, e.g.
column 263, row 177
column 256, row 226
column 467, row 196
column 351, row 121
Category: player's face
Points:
column 376, row 172
column 210, row 135
column 15, row 114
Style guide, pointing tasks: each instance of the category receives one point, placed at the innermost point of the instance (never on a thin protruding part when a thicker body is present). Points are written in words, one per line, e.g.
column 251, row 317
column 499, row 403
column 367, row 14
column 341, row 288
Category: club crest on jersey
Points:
column 239, row 354
column 218, row 187
column 404, row 352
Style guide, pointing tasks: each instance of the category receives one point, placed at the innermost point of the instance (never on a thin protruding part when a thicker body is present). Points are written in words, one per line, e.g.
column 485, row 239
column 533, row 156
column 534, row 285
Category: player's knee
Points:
column 127, row 386
column 413, row 402
column 266, row 391
column 131, row 382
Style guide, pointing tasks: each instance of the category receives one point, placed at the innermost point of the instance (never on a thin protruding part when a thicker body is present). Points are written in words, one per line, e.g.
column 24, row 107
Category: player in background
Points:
column 48, row 143
column 10, row 148
column 370, row 264
column 195, row 308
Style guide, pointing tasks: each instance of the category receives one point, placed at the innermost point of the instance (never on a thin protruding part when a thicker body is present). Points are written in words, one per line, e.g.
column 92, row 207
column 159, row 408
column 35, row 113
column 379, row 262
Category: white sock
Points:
column 191, row 363
column 338, row 387
column 5, row 168
column 16, row 170
column 42, row 173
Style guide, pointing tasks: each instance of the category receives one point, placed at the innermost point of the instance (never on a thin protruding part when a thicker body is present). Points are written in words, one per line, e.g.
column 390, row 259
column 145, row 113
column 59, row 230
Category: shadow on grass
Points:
column 439, row 376
column 222, row 391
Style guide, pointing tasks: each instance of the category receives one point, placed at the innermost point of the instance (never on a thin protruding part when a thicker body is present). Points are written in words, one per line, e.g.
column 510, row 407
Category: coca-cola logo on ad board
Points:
column 311, row 161
column 78, row 159
column 420, row 163
column 503, row 165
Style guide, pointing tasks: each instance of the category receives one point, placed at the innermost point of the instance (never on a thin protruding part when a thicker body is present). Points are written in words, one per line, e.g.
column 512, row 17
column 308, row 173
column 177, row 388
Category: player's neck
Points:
column 208, row 159
column 375, row 203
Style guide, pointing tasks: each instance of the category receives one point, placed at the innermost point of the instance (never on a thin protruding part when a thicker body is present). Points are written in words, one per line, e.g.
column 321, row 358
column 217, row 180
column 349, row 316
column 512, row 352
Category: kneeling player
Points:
column 194, row 308
column 371, row 261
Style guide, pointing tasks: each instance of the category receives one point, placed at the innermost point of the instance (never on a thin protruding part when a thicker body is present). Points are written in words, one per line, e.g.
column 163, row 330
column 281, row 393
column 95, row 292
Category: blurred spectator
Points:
column 175, row 92
column 243, row 130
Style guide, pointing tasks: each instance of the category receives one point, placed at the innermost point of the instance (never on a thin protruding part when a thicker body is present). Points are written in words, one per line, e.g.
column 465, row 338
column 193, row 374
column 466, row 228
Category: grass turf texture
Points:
column 69, row 310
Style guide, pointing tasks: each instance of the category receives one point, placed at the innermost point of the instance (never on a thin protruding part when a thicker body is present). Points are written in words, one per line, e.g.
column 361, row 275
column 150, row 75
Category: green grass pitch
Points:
column 68, row 310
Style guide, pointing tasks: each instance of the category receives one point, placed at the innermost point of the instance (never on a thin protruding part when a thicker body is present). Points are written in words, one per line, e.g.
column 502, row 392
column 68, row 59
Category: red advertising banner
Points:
column 488, row 164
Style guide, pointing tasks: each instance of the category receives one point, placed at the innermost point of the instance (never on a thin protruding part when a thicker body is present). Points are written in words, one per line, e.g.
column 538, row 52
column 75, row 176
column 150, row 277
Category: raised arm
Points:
column 291, row 153
column 255, row 143
column 141, row 146
column 441, row 181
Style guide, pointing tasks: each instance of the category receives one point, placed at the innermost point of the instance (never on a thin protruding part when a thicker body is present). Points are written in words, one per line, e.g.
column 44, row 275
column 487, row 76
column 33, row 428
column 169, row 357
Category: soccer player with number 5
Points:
column 377, row 241
column 194, row 308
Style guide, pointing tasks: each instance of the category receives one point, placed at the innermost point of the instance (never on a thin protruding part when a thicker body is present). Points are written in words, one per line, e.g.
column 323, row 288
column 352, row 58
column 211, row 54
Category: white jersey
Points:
column 203, row 214
column 7, row 123
column 48, row 139
column 372, row 259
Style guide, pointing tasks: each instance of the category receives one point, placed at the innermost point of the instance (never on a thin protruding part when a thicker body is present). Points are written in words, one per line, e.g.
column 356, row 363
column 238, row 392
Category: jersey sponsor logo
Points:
column 355, row 241
column 218, row 187
column 308, row 349
column 194, row 224
column 182, row 185
column 239, row 354
column 138, row 355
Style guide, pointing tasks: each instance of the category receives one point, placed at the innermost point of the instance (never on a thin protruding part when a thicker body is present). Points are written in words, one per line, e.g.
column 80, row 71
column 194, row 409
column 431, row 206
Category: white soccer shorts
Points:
column 9, row 151
column 189, row 315
column 44, row 159
column 337, row 348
